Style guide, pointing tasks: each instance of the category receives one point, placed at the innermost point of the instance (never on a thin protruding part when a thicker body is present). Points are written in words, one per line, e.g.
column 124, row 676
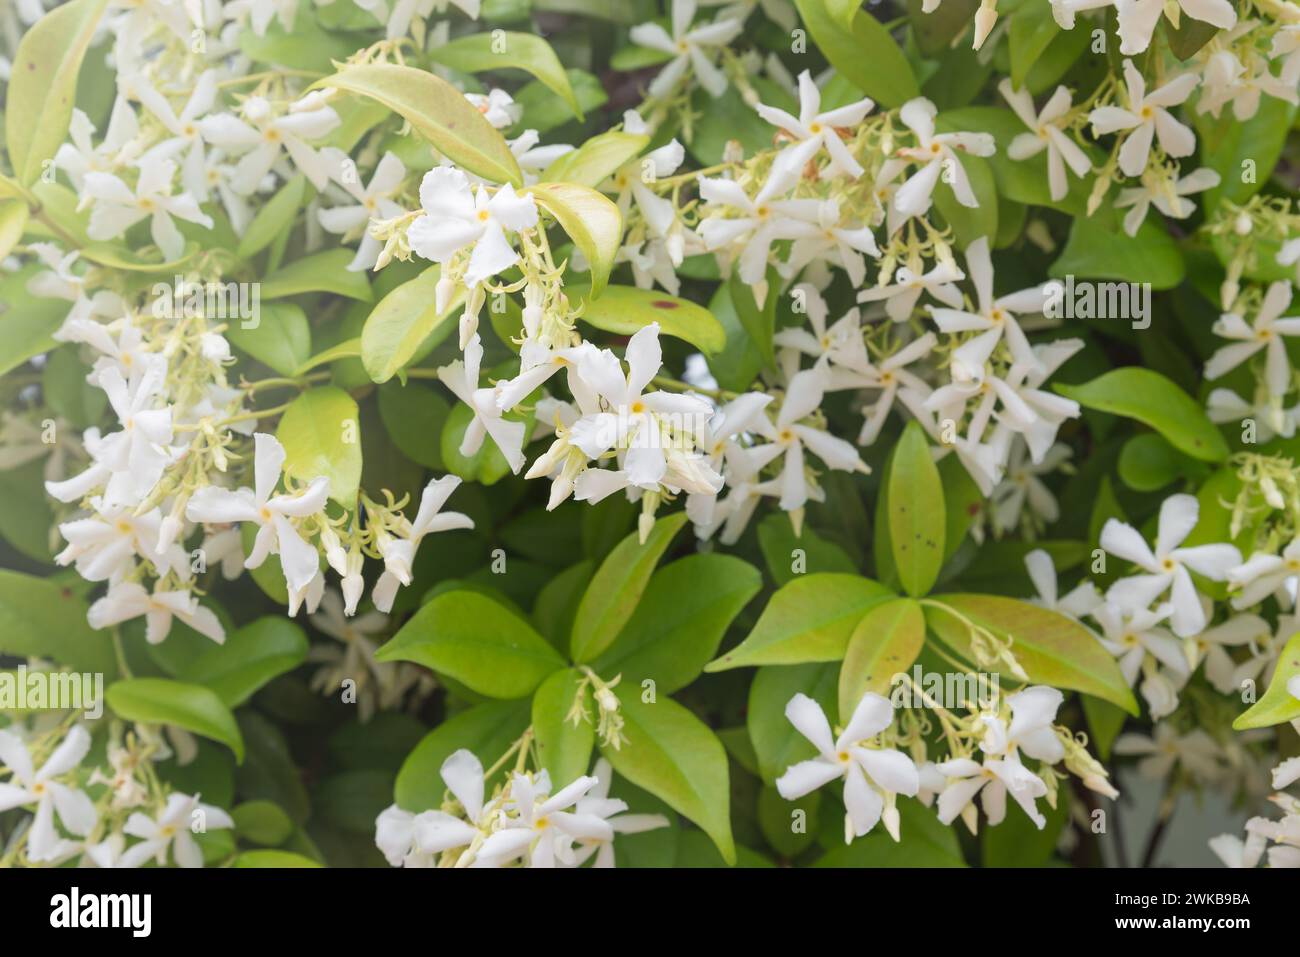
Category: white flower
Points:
column 461, row 377
column 1167, row 567
column 399, row 553
column 895, row 381
column 1147, row 116
column 1211, row 644
column 991, row 781
column 902, row 295
column 1195, row 751
column 1131, row 634
column 187, row 136
column 872, row 776
column 1266, row 332
column 116, row 207
column 687, row 47
column 825, row 239
column 398, row 21
column 1082, row 600
column 1236, row 853
column 1047, row 135
column 60, row 282
column 81, row 156
column 455, row 218
column 372, row 202
column 541, row 828
column 994, row 319
column 416, row 840
column 762, row 221
column 1170, row 198
column 598, row 803
column 1138, row 18
column 802, row 399
column 497, row 106
column 269, row 135
column 28, row 786
column 815, row 131
column 1263, row 575
column 937, row 154
column 174, row 828
column 105, row 545
column 130, row 600
column 841, row 344
column 272, row 513
column 719, row 442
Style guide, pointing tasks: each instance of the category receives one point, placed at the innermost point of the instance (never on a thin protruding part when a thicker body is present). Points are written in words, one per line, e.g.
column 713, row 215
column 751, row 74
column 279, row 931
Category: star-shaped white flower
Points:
column 1147, row 118
column 688, row 48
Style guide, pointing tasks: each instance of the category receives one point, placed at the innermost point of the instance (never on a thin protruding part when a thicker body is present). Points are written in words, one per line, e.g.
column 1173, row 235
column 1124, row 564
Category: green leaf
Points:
column 273, row 218
column 275, row 859
column 545, row 111
column 597, row 159
column 27, row 323
column 680, row 621
column 437, row 111
column 863, row 52
column 486, row 729
column 13, row 220
column 321, row 272
column 563, row 748
column 304, row 46
column 25, row 513
column 936, row 30
column 916, row 512
column 1105, row 721
column 961, row 503
column 1148, row 463
column 885, row 643
column 251, row 657
column 673, row 755
column 777, row 744
column 776, row 817
column 1098, row 249
column 281, row 338
column 41, row 618
column 1051, row 648
column 43, row 85
column 1155, row 401
column 321, row 435
column 500, row 50
column 1189, row 36
column 406, row 324
column 758, row 321
column 262, row 822
column 1033, row 28
column 616, row 588
column 192, row 707
column 1278, row 703
column 624, row 310
column 347, row 349
column 810, row 619
column 476, row 641
column 592, row 221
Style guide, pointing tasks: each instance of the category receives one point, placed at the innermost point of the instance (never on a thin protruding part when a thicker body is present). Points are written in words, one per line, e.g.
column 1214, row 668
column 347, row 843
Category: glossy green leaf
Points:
column 319, row 272
column 406, row 323
column 476, row 641
column 280, row 338
column 563, row 746
column 437, row 111
column 502, row 49
column 1279, row 703
column 885, row 643
column 43, row 84
column 485, row 729
column 677, row 758
column 1155, row 401
column 189, row 706
column 916, row 512
column 623, row 310
column 592, row 221
column 597, row 159
column 1051, row 648
column 863, row 52
column 810, row 619
column 321, row 435
column 616, row 588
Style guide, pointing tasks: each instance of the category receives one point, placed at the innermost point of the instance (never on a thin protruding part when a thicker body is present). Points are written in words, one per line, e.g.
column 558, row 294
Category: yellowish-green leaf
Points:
column 437, row 111
column 592, row 221
column 501, row 50
column 321, row 435
column 403, row 322
column 1279, row 703
column 597, row 159
column 885, row 643
column 624, row 310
